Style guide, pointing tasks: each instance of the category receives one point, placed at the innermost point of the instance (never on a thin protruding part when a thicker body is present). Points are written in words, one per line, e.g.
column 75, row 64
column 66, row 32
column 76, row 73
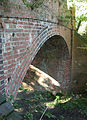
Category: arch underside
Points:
column 30, row 54
column 54, row 60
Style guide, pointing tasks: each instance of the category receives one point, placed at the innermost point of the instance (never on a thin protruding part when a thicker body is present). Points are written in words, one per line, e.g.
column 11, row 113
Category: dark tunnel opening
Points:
column 53, row 59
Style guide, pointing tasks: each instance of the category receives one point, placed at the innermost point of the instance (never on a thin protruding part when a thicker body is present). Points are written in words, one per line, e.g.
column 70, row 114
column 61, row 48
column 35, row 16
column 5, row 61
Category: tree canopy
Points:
column 80, row 12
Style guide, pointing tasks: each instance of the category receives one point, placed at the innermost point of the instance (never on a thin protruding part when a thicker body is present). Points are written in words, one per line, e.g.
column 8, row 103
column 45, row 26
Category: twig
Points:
column 43, row 113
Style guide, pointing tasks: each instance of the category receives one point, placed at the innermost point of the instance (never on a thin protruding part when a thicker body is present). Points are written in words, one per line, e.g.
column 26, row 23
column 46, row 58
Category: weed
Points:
column 80, row 103
column 25, row 89
column 39, row 101
column 28, row 116
column 21, row 88
column 38, row 97
column 61, row 117
column 11, row 97
column 68, row 105
column 49, row 115
column 16, row 105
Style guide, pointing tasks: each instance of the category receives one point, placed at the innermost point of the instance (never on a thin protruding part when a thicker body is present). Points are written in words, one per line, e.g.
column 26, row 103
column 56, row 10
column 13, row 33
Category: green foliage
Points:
column 86, row 90
column 4, row 3
column 33, row 4
column 80, row 11
column 64, row 14
column 50, row 115
column 11, row 97
column 37, row 104
column 86, row 46
column 61, row 117
column 68, row 105
column 28, row 116
column 16, row 105
column 78, row 102
column 63, row 18
column 85, row 35
column 24, row 89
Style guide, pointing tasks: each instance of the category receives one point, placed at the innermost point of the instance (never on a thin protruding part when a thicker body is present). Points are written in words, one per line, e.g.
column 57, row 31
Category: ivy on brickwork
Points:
column 4, row 3
column 33, row 4
column 64, row 14
column 37, row 3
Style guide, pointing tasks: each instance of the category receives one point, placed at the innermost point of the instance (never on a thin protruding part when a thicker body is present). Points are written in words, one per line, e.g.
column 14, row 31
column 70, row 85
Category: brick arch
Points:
column 26, row 59
column 53, row 58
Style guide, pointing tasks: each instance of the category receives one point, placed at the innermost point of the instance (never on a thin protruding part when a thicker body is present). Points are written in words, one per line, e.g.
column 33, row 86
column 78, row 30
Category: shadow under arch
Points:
column 54, row 60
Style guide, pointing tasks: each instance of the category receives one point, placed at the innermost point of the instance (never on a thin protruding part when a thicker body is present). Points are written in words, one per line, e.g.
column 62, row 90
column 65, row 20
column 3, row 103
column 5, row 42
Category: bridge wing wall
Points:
column 79, row 63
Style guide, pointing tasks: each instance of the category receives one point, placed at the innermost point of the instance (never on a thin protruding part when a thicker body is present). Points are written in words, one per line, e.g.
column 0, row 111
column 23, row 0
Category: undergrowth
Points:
column 41, row 103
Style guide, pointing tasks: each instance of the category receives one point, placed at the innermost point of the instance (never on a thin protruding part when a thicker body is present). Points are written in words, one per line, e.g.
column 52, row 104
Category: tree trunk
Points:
column 78, row 25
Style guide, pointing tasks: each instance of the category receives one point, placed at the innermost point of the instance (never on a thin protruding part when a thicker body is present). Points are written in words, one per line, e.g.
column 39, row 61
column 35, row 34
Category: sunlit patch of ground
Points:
column 56, row 101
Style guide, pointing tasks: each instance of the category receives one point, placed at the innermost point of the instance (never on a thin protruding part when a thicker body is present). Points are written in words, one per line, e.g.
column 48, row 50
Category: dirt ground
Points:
column 34, row 102
column 32, row 105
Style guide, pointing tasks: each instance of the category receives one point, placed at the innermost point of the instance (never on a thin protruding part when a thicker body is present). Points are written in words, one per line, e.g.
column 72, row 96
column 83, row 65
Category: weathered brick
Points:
column 13, row 30
column 2, row 81
column 12, row 26
column 23, row 37
column 1, row 72
column 2, row 87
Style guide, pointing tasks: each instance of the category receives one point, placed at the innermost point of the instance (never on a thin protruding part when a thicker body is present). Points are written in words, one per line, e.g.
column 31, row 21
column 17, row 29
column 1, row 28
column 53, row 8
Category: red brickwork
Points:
column 53, row 58
column 2, row 77
column 22, row 40
column 21, row 37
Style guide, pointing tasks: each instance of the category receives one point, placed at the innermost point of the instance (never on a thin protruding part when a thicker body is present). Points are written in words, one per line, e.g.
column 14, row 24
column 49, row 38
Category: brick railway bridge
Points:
column 37, row 36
